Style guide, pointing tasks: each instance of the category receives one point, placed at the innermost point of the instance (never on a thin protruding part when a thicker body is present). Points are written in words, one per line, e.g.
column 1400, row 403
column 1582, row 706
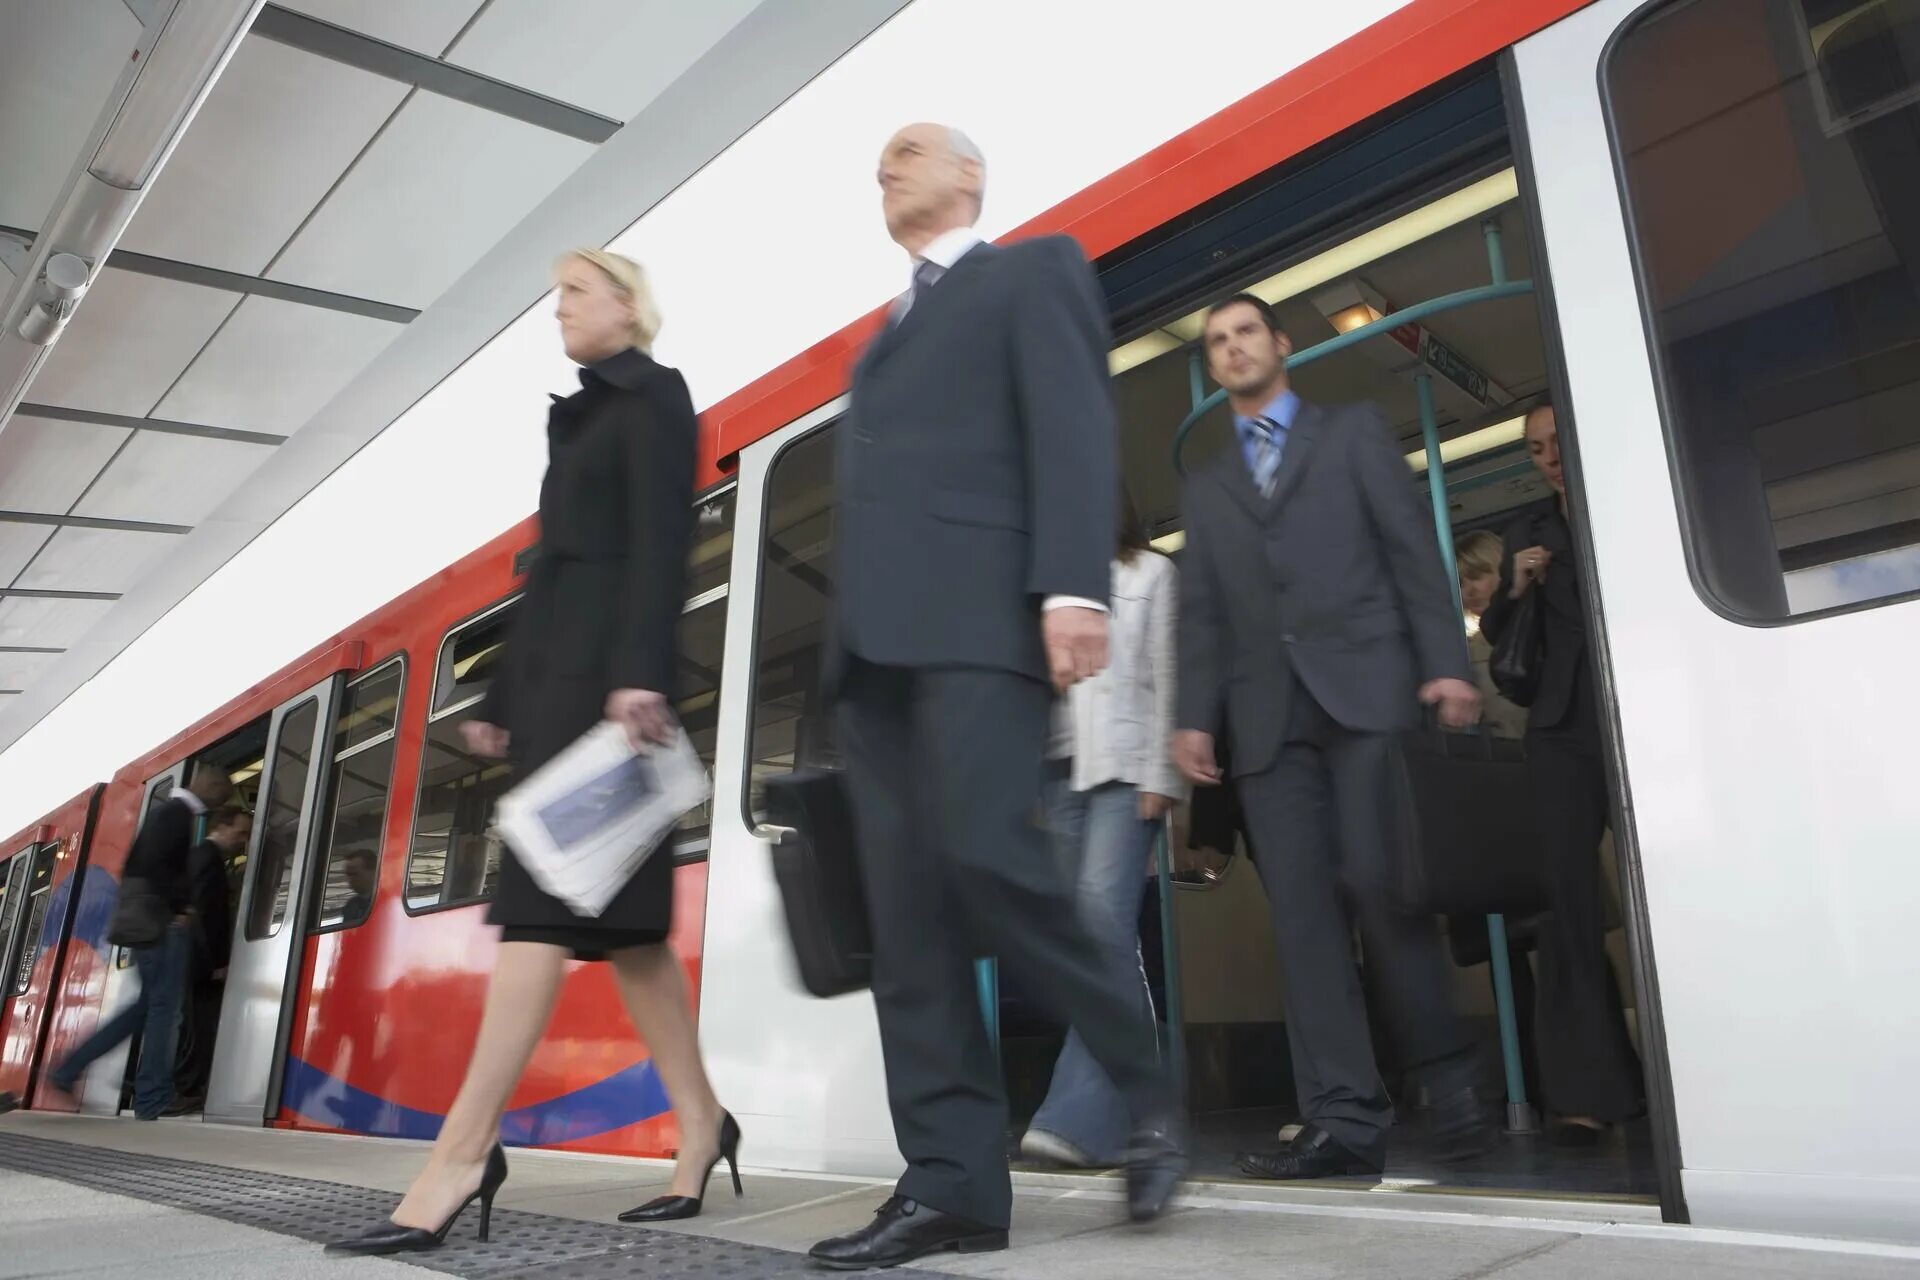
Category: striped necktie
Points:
column 1269, row 439
column 925, row 275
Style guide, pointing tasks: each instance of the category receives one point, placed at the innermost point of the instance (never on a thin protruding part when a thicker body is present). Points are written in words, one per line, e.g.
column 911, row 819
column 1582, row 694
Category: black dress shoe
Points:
column 1156, row 1165
column 1312, row 1154
column 391, row 1237
column 9, row 1101
column 903, row 1230
column 674, row 1208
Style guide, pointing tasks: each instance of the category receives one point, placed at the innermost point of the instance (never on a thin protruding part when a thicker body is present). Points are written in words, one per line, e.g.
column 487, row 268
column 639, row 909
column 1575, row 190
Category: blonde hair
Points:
column 1479, row 553
column 630, row 279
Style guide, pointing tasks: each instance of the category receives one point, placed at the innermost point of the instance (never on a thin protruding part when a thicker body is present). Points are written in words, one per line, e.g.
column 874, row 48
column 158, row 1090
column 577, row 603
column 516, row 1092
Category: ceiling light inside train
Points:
column 58, row 291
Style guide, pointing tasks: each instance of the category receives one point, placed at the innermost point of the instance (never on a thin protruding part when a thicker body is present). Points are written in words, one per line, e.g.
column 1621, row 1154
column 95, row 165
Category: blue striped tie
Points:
column 1269, row 440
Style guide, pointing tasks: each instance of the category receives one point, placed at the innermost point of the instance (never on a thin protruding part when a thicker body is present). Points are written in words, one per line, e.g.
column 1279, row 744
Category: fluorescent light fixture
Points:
column 1171, row 541
column 1349, row 256
column 1140, row 350
column 174, row 69
column 1512, row 431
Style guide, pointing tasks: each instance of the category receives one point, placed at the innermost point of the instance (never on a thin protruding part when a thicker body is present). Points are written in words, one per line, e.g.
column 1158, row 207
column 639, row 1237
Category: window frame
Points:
column 805, row 428
column 257, row 843
column 687, row 854
column 10, row 930
column 1685, row 505
column 452, row 709
column 399, row 659
column 22, row 981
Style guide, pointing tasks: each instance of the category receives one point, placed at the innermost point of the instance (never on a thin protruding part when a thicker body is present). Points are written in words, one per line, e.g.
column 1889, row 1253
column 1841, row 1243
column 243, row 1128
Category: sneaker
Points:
column 1051, row 1148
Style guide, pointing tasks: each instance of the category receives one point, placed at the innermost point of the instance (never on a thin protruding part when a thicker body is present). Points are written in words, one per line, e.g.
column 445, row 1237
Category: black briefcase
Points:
column 1466, row 841
column 817, row 868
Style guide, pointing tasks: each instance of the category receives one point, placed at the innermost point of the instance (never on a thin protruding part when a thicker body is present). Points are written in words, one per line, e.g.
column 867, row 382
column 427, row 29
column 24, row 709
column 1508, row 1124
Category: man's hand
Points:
column 1459, row 701
column 644, row 714
column 1076, row 642
column 1193, row 756
column 484, row 739
column 1154, row 807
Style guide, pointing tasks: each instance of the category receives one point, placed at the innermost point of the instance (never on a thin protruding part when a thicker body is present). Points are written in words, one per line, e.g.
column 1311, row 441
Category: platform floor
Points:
column 119, row 1198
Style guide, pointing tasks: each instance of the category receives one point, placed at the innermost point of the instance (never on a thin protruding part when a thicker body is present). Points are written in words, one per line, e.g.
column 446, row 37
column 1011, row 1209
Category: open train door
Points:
column 250, row 1053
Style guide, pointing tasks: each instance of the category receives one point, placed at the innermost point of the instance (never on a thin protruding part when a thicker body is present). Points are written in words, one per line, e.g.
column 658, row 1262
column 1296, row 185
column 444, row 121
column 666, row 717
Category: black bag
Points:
column 140, row 915
column 1466, row 842
column 817, row 868
column 1516, row 660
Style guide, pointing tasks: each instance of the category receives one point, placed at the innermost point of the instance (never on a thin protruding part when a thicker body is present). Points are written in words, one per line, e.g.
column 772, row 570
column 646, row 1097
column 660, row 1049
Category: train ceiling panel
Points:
column 19, row 543
column 46, row 464
column 18, row 669
column 425, row 26
column 77, row 559
column 312, row 353
column 33, row 622
column 169, row 479
column 131, row 341
column 58, row 60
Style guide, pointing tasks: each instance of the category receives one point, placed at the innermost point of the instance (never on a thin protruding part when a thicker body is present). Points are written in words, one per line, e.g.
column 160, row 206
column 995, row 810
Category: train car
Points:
column 1689, row 224
column 53, row 917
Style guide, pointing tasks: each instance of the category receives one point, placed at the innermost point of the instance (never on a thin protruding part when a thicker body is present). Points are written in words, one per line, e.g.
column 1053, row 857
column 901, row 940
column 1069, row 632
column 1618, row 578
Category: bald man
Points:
column 978, row 476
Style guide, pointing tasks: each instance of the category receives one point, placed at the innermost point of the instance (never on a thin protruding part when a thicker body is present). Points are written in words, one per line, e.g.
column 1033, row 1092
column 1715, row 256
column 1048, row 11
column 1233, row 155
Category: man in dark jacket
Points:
column 160, row 858
column 227, row 833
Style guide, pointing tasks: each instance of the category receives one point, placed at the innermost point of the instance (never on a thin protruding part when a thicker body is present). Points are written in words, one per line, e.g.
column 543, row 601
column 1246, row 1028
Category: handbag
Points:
column 1464, row 833
column 140, row 915
column 1518, row 655
column 817, row 867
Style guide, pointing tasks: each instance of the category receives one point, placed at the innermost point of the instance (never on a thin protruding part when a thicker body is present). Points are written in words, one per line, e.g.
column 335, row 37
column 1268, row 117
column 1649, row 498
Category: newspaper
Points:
column 586, row 821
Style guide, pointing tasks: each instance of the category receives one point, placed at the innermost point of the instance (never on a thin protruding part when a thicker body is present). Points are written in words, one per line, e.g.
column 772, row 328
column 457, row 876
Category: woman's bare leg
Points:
column 520, row 999
column 655, row 993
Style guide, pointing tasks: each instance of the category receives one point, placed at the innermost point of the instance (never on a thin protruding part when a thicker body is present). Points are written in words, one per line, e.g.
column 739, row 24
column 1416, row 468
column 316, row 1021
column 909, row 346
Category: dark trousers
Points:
column 153, row 1014
column 1588, row 1066
column 199, row 1024
column 1322, row 826
column 944, row 769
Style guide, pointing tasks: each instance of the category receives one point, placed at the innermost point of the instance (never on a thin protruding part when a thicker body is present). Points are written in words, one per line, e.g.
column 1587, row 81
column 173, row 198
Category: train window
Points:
column 279, row 818
column 357, row 795
column 790, row 728
column 454, row 857
column 33, row 915
column 703, row 638
column 1767, row 158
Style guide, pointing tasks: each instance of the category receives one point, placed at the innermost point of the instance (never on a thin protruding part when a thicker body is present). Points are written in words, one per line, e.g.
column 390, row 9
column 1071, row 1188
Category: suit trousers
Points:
column 1322, row 824
column 1588, row 1066
column 944, row 768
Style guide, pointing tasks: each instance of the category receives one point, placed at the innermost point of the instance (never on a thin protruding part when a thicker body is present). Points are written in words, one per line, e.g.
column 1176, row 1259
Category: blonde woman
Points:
column 595, row 638
column 1477, row 558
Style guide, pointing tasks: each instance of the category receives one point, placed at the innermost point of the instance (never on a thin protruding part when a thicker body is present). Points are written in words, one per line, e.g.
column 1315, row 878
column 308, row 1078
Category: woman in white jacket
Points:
column 1110, row 784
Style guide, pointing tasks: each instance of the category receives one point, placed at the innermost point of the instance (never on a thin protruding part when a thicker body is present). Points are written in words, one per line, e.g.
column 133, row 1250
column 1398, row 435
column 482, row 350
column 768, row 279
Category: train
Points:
column 1690, row 225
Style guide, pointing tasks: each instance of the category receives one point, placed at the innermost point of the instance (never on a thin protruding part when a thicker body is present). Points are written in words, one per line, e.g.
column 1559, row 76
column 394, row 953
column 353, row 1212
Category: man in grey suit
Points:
column 977, row 474
column 1315, row 621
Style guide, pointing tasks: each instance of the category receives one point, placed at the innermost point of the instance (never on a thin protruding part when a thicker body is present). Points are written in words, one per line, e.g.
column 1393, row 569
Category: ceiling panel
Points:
column 424, row 25
column 46, row 465
column 58, row 62
column 442, row 185
column 129, row 340
column 274, row 365
column 49, row 624
column 171, row 479
column 609, row 56
column 96, row 560
column 18, row 670
column 18, row 544
column 275, row 134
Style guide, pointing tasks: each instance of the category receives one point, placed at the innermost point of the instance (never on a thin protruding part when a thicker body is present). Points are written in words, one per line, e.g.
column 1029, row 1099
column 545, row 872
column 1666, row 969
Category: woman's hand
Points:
column 484, row 739
column 645, row 715
column 1529, row 567
column 1154, row 807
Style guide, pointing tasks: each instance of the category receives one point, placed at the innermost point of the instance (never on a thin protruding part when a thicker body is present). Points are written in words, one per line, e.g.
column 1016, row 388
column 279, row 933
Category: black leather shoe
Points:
column 1156, row 1165
column 391, row 1237
column 9, row 1101
column 674, row 1208
column 1312, row 1154
column 1463, row 1125
column 903, row 1230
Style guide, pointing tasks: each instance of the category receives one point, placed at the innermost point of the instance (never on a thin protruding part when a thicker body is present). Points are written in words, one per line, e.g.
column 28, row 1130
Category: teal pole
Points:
column 987, row 974
column 1496, row 251
column 1437, row 480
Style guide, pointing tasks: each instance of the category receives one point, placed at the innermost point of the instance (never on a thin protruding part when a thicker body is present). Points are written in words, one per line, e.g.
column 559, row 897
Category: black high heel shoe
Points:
column 673, row 1208
column 391, row 1237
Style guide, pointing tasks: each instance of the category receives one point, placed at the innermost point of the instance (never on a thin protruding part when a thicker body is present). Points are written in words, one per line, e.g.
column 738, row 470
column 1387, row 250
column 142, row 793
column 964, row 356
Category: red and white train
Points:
column 1715, row 204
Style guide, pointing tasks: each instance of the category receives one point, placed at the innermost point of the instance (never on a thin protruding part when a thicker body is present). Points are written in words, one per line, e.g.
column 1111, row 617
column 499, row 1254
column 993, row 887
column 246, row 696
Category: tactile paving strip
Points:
column 522, row 1244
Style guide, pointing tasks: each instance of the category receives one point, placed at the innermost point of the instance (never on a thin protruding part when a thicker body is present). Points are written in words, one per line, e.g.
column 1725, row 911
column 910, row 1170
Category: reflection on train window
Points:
column 357, row 792
column 12, row 897
column 703, row 636
column 453, row 858
column 1768, row 159
column 39, row 899
column 279, row 821
column 790, row 727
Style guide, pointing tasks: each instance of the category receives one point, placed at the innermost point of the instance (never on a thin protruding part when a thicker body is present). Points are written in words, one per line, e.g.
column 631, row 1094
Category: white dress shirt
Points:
column 943, row 251
column 1118, row 726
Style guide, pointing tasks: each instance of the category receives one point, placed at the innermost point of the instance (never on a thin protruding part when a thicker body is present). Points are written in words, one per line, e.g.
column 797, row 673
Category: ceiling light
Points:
column 1170, row 542
column 182, row 57
column 1141, row 350
column 1512, row 431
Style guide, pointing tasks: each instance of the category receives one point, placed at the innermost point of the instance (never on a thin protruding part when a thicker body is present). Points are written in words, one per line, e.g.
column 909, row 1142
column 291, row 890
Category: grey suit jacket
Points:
column 977, row 467
column 1336, row 580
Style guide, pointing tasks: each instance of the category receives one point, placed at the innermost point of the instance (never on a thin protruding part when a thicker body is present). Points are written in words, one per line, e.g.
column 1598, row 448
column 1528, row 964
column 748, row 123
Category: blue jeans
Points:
column 1102, row 845
column 154, row 1013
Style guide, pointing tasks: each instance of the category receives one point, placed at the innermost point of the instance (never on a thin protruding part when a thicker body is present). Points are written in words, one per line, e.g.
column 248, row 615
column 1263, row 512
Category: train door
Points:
column 263, row 972
column 1730, row 210
column 104, row 1089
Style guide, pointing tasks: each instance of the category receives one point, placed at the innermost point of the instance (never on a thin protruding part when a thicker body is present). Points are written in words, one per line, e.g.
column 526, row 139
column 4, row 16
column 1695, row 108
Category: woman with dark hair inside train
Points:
column 595, row 638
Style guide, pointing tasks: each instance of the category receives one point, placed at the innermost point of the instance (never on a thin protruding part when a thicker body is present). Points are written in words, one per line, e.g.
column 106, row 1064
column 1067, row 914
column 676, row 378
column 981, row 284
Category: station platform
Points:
column 112, row 1198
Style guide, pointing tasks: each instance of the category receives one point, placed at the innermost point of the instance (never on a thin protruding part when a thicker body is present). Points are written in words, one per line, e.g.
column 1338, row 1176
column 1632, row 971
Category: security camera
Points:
column 62, row 282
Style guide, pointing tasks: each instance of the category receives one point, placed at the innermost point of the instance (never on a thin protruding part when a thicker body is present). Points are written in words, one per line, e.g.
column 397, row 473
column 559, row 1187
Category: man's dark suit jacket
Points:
column 977, row 467
column 1335, row 580
column 159, row 853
